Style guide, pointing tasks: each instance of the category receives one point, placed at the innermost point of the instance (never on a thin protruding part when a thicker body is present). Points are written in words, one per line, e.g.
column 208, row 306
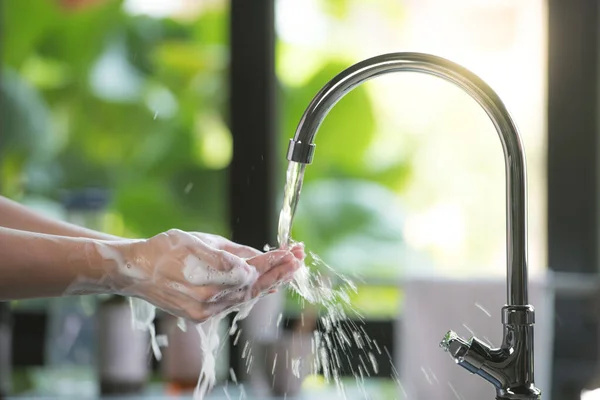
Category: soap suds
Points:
column 209, row 341
column 183, row 275
column 199, row 273
column 125, row 268
column 143, row 314
column 237, row 280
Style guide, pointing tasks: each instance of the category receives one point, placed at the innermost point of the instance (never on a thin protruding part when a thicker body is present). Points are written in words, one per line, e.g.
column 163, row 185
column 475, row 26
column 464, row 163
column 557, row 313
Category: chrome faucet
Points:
column 510, row 367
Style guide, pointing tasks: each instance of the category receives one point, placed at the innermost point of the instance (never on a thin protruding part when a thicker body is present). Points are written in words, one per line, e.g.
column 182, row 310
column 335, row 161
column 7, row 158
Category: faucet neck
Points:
column 302, row 145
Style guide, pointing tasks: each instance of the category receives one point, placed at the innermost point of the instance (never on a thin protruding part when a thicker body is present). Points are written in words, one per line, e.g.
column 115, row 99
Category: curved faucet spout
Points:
column 302, row 146
column 509, row 368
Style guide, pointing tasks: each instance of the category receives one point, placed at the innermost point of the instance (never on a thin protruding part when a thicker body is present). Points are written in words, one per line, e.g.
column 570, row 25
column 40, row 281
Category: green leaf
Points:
column 201, row 193
column 78, row 171
column 184, row 58
column 337, row 8
column 148, row 207
column 378, row 302
column 346, row 132
column 80, row 36
column 330, row 210
column 176, row 155
column 211, row 28
column 45, row 73
column 25, row 118
column 25, row 24
column 356, row 227
column 143, row 34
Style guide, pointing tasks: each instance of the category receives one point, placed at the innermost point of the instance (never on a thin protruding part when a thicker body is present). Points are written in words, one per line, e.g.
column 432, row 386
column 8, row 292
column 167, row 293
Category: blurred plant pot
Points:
column 123, row 352
column 182, row 358
column 260, row 329
column 261, row 325
column 593, row 384
column 289, row 361
column 5, row 349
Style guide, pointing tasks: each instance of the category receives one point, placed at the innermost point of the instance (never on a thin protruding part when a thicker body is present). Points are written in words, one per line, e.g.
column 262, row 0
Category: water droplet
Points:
column 232, row 375
column 374, row 363
column 454, row 391
column 483, row 309
column 245, row 349
column 376, row 346
column 296, row 367
column 237, row 337
column 469, row 329
column 426, row 376
column 250, row 364
column 274, row 364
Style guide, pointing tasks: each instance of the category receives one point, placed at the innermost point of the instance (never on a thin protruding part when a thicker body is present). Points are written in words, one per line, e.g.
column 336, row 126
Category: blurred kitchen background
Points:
column 136, row 116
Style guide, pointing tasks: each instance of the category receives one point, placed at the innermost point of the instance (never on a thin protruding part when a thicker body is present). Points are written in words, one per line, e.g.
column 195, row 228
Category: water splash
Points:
column 486, row 312
column 321, row 286
column 314, row 283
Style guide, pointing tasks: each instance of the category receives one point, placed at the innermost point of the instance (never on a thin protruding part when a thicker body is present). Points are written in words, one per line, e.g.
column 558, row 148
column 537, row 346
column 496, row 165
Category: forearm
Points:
column 15, row 216
column 36, row 265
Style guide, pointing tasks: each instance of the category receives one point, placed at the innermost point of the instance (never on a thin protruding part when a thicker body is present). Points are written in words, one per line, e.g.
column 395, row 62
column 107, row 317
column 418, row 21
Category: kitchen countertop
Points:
column 374, row 389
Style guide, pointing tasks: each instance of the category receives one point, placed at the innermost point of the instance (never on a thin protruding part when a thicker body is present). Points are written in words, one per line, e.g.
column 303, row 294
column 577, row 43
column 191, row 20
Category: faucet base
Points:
column 508, row 368
column 520, row 393
column 531, row 396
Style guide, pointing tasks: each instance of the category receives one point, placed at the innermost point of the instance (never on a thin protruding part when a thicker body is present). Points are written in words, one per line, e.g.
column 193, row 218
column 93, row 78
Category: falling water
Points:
column 332, row 344
column 291, row 195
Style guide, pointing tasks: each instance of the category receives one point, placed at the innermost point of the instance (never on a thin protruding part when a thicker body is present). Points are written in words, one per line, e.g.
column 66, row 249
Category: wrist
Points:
column 110, row 264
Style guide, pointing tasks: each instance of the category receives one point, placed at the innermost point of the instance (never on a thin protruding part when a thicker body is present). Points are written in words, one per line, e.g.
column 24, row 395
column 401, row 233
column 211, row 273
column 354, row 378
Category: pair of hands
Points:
column 198, row 275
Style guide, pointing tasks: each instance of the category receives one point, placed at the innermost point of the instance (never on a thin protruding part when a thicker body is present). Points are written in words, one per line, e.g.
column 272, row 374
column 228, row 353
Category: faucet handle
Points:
column 470, row 354
column 455, row 345
column 477, row 357
column 499, row 366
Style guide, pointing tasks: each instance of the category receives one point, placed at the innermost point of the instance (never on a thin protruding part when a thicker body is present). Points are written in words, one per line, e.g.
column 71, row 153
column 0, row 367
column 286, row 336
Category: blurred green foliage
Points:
column 137, row 104
column 132, row 101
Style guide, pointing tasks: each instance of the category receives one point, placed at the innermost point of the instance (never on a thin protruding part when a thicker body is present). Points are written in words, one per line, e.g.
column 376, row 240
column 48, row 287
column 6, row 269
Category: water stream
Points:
column 330, row 291
column 291, row 196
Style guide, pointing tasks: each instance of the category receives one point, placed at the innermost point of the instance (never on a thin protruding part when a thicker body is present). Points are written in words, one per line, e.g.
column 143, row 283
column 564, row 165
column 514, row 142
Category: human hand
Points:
column 196, row 275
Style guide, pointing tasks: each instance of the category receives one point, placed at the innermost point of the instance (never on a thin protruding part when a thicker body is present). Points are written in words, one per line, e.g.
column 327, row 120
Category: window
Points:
column 408, row 175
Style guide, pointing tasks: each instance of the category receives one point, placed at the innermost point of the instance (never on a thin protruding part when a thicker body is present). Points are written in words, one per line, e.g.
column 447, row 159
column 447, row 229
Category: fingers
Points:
column 241, row 250
column 282, row 271
column 208, row 293
column 298, row 251
column 269, row 279
column 238, row 249
column 225, row 270
column 205, row 247
column 267, row 261
column 201, row 311
column 221, row 243
column 219, row 274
